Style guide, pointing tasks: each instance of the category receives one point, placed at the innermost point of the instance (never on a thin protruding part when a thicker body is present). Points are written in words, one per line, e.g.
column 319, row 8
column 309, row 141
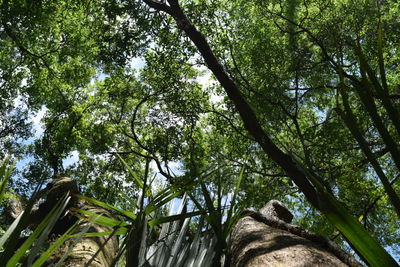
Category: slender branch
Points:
column 232, row 125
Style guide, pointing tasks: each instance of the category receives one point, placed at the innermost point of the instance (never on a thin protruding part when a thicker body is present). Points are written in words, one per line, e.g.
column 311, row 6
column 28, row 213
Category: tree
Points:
column 309, row 183
column 296, row 110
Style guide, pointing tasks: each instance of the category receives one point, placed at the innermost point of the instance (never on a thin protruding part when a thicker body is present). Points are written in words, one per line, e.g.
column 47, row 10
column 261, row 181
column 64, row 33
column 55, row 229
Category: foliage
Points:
column 121, row 79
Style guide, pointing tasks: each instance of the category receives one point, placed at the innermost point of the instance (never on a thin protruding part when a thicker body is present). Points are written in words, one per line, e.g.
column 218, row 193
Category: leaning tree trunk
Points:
column 266, row 238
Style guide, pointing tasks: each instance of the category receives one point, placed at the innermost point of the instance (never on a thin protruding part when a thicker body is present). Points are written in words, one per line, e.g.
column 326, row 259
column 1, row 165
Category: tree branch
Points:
column 247, row 114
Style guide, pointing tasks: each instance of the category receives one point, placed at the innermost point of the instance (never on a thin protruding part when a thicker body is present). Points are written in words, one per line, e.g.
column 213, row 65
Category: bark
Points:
column 266, row 238
column 14, row 207
column 90, row 251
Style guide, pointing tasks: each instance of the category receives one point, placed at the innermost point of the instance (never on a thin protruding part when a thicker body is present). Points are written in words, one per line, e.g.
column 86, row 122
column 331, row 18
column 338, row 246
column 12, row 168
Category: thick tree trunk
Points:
column 90, row 251
column 266, row 238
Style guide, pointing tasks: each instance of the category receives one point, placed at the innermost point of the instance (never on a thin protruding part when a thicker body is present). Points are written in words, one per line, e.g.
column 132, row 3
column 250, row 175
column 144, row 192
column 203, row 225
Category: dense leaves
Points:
column 121, row 78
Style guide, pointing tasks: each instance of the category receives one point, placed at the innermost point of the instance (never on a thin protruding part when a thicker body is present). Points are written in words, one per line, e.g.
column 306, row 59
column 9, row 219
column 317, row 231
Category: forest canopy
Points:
column 297, row 101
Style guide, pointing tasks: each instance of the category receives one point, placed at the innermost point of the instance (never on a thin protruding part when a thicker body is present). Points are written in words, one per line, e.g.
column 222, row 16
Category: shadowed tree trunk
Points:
column 266, row 238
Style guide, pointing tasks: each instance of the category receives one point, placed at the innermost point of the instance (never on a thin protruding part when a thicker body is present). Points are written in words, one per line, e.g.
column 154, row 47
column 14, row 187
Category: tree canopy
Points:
column 301, row 99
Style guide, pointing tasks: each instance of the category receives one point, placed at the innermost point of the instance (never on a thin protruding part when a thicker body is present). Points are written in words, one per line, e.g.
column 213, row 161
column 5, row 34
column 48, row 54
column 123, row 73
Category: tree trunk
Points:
column 266, row 238
column 90, row 251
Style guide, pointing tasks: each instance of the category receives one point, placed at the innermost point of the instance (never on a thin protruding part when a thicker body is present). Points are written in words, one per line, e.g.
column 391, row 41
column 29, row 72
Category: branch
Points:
column 247, row 114
column 158, row 6
column 13, row 37
column 232, row 125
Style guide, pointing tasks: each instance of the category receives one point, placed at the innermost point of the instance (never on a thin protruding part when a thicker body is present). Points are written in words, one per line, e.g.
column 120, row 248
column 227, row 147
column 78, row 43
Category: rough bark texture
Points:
column 92, row 251
column 14, row 208
column 266, row 238
column 257, row 244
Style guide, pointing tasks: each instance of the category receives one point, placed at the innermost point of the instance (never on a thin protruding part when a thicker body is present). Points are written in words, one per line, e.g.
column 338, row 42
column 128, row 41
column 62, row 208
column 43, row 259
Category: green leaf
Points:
column 156, row 205
column 212, row 216
column 5, row 173
column 351, row 122
column 380, row 54
column 160, row 200
column 117, row 231
column 172, row 218
column 131, row 201
column 128, row 214
column 43, row 237
column 12, row 235
column 137, row 179
column 359, row 238
column 77, row 238
column 364, row 89
column 54, row 246
column 229, row 223
column 10, row 230
column 100, row 219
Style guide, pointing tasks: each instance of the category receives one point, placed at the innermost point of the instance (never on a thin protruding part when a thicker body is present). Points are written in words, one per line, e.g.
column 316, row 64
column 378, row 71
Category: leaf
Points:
column 10, row 230
column 364, row 90
column 137, row 179
column 380, row 54
column 173, row 218
column 353, row 231
column 117, row 231
column 360, row 239
column 39, row 243
column 128, row 214
column 178, row 243
column 54, row 246
column 100, row 219
column 160, row 201
column 77, row 239
column 229, row 223
column 351, row 123
column 12, row 235
column 5, row 173
column 213, row 216
column 131, row 201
